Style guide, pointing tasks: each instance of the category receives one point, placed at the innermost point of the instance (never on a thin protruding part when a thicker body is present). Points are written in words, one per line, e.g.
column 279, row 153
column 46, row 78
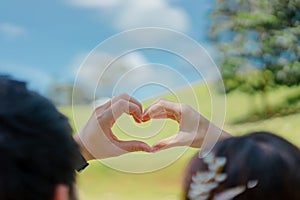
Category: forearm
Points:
column 209, row 133
column 217, row 132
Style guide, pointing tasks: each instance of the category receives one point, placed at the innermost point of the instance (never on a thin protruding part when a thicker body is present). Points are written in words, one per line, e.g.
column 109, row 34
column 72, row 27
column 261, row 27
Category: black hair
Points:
column 260, row 156
column 37, row 150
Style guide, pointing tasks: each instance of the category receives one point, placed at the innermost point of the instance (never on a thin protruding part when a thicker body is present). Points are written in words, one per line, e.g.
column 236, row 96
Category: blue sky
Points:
column 45, row 41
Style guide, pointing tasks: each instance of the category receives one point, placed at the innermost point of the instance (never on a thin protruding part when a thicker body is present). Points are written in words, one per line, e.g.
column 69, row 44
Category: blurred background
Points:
column 255, row 44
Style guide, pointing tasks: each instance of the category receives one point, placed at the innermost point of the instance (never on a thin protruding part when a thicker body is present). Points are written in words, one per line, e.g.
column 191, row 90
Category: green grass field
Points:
column 101, row 182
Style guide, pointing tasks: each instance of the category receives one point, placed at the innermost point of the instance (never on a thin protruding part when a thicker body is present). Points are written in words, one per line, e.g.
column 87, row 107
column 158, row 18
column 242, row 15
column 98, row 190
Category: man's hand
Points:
column 193, row 127
column 96, row 139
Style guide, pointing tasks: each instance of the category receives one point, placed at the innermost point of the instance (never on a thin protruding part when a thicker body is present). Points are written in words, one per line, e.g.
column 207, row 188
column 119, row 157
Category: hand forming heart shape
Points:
column 97, row 140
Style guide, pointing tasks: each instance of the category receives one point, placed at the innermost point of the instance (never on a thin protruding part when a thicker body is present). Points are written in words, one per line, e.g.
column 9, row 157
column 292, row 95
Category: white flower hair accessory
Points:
column 204, row 182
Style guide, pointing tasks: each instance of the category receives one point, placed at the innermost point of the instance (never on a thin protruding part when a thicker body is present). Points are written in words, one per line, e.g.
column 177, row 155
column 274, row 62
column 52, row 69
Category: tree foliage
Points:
column 259, row 42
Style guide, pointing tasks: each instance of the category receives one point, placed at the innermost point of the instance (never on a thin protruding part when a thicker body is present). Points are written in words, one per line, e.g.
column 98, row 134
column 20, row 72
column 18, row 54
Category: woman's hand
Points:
column 193, row 127
column 96, row 139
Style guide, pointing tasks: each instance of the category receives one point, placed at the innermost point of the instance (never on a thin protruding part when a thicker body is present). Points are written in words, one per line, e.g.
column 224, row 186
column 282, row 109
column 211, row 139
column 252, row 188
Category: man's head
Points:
column 37, row 151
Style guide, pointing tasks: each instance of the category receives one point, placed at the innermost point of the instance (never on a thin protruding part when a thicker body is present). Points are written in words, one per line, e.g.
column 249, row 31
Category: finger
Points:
column 126, row 97
column 134, row 145
column 154, row 111
column 130, row 108
column 137, row 119
column 163, row 109
column 158, row 113
column 165, row 143
column 112, row 136
column 120, row 107
column 150, row 107
column 101, row 108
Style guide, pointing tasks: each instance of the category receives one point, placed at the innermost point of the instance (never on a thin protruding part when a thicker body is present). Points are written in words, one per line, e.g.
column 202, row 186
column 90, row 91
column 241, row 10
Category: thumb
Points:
column 165, row 143
column 134, row 145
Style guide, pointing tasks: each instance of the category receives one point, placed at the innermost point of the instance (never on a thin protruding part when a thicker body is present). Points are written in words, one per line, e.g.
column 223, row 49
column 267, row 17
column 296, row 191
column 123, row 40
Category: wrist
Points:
column 209, row 132
column 84, row 152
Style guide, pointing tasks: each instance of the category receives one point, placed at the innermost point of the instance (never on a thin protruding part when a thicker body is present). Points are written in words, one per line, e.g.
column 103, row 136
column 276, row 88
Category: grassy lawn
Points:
column 101, row 182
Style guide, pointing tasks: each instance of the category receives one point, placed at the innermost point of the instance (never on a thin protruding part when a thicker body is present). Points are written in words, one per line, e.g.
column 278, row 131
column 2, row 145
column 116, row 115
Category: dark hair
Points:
column 37, row 150
column 261, row 156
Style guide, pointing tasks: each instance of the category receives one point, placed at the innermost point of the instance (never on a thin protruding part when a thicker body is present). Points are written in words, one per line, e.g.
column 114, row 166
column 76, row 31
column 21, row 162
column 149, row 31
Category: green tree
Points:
column 259, row 42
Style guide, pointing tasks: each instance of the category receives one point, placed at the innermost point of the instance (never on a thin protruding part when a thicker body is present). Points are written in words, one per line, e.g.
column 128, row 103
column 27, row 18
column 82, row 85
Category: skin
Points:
column 97, row 141
column 193, row 127
column 61, row 192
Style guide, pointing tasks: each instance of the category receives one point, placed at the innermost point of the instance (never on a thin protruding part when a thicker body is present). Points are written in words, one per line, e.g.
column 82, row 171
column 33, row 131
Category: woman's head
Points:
column 257, row 166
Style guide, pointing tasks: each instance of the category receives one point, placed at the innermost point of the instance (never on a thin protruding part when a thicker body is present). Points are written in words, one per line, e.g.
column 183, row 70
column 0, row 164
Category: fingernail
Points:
column 144, row 119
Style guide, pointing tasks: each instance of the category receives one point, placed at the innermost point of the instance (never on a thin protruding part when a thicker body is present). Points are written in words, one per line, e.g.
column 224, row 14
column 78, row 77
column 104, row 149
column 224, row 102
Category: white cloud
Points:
column 95, row 3
column 11, row 30
column 158, row 13
column 129, row 73
column 98, row 73
column 127, row 14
